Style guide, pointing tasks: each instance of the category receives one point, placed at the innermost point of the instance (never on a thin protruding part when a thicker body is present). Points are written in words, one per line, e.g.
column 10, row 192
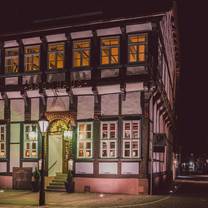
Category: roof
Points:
column 23, row 16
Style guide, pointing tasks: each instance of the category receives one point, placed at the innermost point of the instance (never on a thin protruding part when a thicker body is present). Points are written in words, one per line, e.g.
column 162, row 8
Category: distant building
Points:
column 112, row 81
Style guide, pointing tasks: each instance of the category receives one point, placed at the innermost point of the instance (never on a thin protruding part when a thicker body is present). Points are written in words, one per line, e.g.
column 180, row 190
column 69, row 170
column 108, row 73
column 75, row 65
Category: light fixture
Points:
column 43, row 124
column 68, row 134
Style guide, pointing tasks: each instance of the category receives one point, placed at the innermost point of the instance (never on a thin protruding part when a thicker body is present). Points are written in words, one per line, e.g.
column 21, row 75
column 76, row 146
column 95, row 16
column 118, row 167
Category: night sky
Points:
column 192, row 104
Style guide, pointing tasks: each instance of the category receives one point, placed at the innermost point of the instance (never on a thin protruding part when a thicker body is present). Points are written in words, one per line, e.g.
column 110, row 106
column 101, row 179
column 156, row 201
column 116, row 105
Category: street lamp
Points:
column 43, row 125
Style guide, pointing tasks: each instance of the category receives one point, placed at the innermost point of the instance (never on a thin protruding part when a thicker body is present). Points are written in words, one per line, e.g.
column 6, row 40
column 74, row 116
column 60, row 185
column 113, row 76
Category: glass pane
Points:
column 27, row 153
column 88, row 135
column 81, row 127
column 89, row 126
column 135, row 153
column 112, row 153
column 141, row 48
column 104, row 145
column 88, row 153
column 104, row 153
column 81, row 145
column 2, row 137
column 114, row 59
column 127, row 153
column 135, row 145
column 81, row 153
column 112, row 145
column 88, row 145
column 141, row 57
column 127, row 145
column 127, row 126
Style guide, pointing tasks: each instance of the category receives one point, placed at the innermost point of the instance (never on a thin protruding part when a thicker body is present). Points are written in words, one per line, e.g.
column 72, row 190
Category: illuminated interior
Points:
column 110, row 50
column 11, row 60
column 81, row 53
column 56, row 56
column 32, row 58
column 137, row 48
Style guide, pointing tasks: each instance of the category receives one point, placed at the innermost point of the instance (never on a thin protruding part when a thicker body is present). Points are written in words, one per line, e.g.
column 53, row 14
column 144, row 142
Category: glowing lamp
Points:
column 68, row 134
column 43, row 124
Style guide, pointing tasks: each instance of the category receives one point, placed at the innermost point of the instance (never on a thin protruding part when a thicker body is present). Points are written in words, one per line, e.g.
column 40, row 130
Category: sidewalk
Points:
column 84, row 200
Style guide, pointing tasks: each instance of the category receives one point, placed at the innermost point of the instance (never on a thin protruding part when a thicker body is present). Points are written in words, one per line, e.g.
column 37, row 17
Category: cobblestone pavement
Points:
column 185, row 195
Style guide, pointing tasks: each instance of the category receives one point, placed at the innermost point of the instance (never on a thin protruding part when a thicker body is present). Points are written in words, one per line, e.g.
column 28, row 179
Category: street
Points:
column 188, row 192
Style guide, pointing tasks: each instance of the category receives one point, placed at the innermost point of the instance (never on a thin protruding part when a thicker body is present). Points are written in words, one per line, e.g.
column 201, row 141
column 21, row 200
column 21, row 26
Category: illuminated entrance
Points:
column 59, row 148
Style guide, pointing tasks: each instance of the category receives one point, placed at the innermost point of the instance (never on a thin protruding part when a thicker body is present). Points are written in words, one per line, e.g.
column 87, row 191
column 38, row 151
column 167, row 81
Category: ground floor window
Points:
column 30, row 141
column 158, row 162
column 131, row 139
column 84, row 140
column 2, row 141
column 108, row 144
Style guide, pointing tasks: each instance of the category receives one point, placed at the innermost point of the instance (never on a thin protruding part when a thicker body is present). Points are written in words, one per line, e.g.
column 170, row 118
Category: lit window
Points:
column 30, row 141
column 84, row 140
column 108, row 139
column 81, row 53
column 32, row 58
column 11, row 60
column 110, row 50
column 56, row 56
column 2, row 141
column 137, row 48
column 131, row 139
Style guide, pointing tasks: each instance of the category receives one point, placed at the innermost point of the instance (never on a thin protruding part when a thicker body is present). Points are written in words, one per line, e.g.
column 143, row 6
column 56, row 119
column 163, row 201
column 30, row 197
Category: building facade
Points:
column 112, row 82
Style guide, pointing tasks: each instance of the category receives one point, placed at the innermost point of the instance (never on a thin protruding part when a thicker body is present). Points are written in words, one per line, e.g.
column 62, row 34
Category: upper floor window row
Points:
column 109, row 53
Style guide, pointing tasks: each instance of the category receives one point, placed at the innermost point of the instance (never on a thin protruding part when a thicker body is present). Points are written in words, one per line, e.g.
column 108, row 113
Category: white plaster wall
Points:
column 58, row 104
column 129, row 168
column 1, row 109
column 84, row 167
column 132, row 104
column 14, row 156
column 15, row 133
column 35, row 109
column 3, row 167
column 85, row 107
column 17, row 110
column 110, row 104
column 108, row 168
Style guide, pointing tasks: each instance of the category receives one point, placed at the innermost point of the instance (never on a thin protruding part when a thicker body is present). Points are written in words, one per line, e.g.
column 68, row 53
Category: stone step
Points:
column 56, row 190
column 57, row 183
column 55, row 187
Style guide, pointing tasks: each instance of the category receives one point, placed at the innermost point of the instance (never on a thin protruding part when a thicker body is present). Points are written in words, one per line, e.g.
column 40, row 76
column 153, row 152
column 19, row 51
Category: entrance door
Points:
column 55, row 154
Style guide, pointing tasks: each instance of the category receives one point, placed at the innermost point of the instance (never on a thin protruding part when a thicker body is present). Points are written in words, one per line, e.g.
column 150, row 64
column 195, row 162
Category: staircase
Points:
column 57, row 183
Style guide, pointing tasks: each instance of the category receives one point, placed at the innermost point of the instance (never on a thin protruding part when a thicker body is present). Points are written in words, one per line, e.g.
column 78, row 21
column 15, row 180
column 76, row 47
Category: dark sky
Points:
column 192, row 104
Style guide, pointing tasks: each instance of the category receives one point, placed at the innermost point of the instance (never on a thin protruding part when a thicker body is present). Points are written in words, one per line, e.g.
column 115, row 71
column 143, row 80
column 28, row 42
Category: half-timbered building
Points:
column 112, row 82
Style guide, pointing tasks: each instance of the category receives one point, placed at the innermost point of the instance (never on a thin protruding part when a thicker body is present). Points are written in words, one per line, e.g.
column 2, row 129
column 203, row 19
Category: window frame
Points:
column 25, row 142
column 52, row 52
column 84, row 140
column 81, row 57
column 131, row 140
column 4, row 142
column 108, row 140
column 9, row 58
column 110, row 47
column 32, row 55
column 145, row 43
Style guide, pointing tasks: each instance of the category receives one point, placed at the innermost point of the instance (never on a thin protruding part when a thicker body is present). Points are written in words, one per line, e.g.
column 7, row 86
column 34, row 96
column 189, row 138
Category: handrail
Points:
column 52, row 165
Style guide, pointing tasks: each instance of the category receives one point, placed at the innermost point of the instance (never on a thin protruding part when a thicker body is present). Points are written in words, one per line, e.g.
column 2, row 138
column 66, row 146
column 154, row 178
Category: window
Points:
column 11, row 60
column 81, row 53
column 56, row 56
column 30, row 141
column 108, row 139
column 32, row 58
column 84, row 140
column 110, row 50
column 2, row 141
column 131, row 139
column 137, row 48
